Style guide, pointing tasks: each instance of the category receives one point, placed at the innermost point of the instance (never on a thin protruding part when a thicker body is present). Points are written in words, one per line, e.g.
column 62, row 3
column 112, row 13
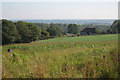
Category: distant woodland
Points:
column 23, row 32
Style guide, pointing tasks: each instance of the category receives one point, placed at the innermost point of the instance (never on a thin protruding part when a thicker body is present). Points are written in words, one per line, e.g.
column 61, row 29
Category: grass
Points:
column 79, row 57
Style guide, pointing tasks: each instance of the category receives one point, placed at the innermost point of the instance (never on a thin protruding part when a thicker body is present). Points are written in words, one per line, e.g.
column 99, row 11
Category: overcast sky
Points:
column 60, row 10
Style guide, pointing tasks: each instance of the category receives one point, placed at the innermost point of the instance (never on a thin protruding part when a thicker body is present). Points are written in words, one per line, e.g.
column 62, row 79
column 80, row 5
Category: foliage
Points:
column 54, row 31
column 116, row 26
column 9, row 32
column 19, row 32
column 24, row 32
column 73, row 28
column 35, row 31
column 45, row 34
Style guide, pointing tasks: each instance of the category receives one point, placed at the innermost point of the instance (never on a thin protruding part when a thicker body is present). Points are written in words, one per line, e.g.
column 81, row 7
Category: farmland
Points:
column 80, row 57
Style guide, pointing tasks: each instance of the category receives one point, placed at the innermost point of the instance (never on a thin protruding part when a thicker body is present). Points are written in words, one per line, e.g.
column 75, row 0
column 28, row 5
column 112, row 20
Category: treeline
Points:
column 23, row 32
column 77, row 28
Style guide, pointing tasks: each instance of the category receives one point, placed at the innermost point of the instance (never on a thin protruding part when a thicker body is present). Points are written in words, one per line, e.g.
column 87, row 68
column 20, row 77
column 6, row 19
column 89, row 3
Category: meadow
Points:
column 93, row 56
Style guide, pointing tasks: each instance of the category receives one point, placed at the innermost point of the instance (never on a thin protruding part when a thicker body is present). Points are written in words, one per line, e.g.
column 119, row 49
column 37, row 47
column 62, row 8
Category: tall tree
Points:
column 44, row 34
column 24, row 31
column 54, row 31
column 73, row 28
column 9, row 32
column 116, row 26
column 35, row 31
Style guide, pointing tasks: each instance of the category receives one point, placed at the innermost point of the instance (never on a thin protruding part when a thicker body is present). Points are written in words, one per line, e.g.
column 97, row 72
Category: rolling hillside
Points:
column 79, row 57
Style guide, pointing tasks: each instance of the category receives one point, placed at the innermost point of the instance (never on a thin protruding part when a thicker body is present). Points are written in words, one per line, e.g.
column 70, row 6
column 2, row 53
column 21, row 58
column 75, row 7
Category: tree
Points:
column 97, row 31
column 28, row 31
column 54, row 31
column 109, row 31
column 73, row 28
column 9, row 32
column 116, row 26
column 24, row 32
column 44, row 34
column 35, row 31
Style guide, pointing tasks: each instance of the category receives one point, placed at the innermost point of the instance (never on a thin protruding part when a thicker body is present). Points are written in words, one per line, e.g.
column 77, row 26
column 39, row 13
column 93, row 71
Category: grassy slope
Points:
column 86, row 56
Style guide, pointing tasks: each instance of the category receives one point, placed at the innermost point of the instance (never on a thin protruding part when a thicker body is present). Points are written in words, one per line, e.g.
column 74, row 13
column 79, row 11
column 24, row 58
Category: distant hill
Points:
column 80, row 21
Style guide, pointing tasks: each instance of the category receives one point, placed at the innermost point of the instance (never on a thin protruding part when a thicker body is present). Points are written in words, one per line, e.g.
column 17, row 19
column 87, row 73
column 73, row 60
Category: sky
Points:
column 53, row 9
column 60, row 0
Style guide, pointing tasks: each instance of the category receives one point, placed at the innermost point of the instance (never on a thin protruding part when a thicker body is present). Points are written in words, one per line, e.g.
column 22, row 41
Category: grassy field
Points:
column 79, row 57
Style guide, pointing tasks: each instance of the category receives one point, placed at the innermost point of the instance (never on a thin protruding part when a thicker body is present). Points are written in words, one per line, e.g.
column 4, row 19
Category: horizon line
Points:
column 62, row 19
